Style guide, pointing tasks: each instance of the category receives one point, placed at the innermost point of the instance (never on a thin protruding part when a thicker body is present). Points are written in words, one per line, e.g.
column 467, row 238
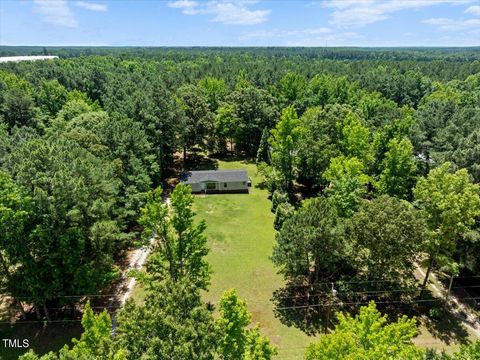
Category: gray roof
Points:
column 193, row 177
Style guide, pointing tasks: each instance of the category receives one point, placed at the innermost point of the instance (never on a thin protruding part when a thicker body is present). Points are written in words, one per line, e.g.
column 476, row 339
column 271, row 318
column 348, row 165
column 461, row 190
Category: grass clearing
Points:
column 241, row 237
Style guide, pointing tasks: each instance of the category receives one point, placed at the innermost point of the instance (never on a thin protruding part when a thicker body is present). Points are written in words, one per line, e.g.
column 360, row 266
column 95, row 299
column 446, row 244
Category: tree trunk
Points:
column 37, row 313
column 22, row 310
column 45, row 310
column 429, row 269
column 184, row 154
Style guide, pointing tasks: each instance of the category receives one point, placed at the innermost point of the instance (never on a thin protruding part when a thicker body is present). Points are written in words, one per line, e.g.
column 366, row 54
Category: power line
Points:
column 366, row 303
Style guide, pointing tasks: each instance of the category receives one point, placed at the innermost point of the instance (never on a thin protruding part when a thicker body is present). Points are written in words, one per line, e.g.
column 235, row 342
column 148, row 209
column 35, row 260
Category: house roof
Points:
column 193, row 177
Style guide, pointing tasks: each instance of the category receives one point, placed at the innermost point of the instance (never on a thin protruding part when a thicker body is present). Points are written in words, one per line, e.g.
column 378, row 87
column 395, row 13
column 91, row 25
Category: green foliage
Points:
column 237, row 342
column 347, row 183
column 292, row 88
column 263, row 153
column 52, row 96
column 319, row 141
column 386, row 235
column 226, row 126
column 256, row 110
column 367, row 336
column 282, row 213
column 284, row 142
column 355, row 138
column 214, row 91
column 173, row 323
column 180, row 244
column 278, row 198
column 309, row 244
column 197, row 121
column 73, row 230
column 451, row 203
column 399, row 168
column 124, row 143
column 234, row 318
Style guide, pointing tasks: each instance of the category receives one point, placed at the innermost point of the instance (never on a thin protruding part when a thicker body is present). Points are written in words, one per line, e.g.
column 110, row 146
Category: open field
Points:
column 241, row 237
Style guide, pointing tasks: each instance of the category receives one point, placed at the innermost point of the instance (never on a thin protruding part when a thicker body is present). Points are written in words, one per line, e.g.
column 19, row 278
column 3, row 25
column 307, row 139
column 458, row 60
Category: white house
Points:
column 217, row 181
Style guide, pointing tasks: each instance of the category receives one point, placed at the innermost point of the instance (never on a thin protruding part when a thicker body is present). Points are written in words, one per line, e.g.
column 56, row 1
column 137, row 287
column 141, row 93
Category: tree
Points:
column 347, row 183
column 226, row 126
column 73, row 230
column 467, row 155
column 386, row 234
column 450, row 202
column 255, row 110
column 18, row 109
column 123, row 142
column 282, row 213
column 180, row 245
column 399, row 168
column 355, row 138
column 173, row 323
column 15, row 217
column 263, row 153
column 367, row 336
column 319, row 141
column 237, row 342
column 52, row 96
column 309, row 244
column 284, row 141
column 214, row 91
column 292, row 88
column 197, row 119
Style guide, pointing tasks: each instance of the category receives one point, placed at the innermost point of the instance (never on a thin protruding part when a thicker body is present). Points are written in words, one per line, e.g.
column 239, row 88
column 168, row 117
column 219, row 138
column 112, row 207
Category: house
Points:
column 217, row 181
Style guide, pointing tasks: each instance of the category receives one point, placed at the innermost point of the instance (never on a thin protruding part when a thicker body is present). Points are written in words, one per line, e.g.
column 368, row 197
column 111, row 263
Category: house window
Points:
column 211, row 186
column 224, row 185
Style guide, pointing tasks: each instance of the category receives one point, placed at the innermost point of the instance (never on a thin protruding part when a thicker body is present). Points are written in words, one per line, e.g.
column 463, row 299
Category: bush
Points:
column 283, row 212
column 278, row 198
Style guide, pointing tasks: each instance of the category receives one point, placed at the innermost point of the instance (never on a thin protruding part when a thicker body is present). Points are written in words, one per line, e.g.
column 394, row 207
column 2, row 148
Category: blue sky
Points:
column 240, row 23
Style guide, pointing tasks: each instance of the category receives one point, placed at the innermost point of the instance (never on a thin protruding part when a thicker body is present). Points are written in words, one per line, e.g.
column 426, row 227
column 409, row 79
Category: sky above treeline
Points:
column 240, row 23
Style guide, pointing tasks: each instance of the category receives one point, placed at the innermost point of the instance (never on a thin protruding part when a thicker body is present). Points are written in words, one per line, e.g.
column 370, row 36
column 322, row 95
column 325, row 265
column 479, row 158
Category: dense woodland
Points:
column 371, row 157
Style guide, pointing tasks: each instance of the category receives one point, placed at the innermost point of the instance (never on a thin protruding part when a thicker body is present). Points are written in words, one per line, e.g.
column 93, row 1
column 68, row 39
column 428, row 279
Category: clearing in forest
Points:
column 241, row 237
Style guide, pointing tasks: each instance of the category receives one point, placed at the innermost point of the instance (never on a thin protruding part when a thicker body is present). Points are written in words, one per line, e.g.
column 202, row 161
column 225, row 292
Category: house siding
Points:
column 232, row 186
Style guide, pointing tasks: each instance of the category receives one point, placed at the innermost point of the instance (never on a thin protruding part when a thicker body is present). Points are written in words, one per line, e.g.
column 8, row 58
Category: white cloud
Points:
column 225, row 12
column 91, row 6
column 56, row 12
column 320, row 36
column 453, row 24
column 349, row 13
column 277, row 33
column 475, row 10
column 188, row 6
column 347, row 38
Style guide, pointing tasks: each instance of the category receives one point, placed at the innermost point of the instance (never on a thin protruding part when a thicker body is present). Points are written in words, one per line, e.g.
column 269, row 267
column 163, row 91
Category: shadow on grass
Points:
column 310, row 309
column 197, row 161
column 233, row 157
column 445, row 326
column 298, row 306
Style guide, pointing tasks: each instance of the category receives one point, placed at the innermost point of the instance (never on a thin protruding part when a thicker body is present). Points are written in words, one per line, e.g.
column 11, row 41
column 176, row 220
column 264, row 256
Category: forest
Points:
column 370, row 159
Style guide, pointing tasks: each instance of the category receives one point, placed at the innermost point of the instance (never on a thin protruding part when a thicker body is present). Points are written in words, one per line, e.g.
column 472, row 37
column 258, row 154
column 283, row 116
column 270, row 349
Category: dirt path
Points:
column 459, row 310
column 137, row 261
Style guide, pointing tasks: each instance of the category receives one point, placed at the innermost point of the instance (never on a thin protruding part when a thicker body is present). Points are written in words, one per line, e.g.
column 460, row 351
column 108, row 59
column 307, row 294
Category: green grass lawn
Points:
column 241, row 237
